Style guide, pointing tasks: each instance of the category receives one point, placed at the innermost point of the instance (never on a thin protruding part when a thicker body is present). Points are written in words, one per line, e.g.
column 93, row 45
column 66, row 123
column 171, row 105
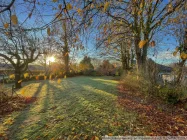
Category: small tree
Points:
column 86, row 64
column 106, row 68
column 64, row 40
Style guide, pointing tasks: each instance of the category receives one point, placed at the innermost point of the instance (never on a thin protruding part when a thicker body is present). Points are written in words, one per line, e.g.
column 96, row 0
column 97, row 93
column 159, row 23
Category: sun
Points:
column 51, row 59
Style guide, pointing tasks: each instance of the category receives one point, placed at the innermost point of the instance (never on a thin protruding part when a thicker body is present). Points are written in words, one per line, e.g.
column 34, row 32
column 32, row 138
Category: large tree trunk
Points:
column 144, row 53
column 138, row 54
column 125, row 57
column 124, row 63
column 180, row 71
column 17, row 78
column 45, row 63
column 132, row 58
column 66, row 49
column 66, row 61
column 141, row 55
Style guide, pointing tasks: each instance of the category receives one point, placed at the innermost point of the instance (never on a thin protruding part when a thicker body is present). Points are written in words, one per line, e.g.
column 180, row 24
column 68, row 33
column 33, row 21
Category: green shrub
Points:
column 142, row 84
column 173, row 95
column 89, row 72
column 5, row 93
column 136, row 82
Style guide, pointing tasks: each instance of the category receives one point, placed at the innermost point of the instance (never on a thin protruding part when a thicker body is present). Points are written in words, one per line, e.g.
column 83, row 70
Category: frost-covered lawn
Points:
column 74, row 108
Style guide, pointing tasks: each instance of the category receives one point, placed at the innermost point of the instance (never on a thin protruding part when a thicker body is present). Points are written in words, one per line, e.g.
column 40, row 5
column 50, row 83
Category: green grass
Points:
column 77, row 107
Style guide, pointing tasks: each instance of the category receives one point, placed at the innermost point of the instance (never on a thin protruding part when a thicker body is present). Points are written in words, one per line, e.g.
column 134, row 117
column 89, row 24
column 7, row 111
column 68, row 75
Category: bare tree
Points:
column 116, row 42
column 64, row 41
column 19, row 48
column 144, row 18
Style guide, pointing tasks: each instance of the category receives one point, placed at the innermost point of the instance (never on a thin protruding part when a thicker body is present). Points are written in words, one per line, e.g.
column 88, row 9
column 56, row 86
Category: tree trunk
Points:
column 132, row 58
column 138, row 54
column 45, row 64
column 141, row 55
column 66, row 60
column 66, row 49
column 125, row 57
column 144, row 53
column 17, row 78
column 179, row 75
column 124, row 65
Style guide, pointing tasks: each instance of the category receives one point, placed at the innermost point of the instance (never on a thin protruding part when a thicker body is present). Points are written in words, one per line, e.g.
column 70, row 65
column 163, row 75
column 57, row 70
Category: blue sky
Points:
column 162, row 53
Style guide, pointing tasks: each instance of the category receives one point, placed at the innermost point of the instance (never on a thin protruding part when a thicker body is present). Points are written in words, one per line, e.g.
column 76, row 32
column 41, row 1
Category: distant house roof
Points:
column 30, row 67
column 5, row 66
column 36, row 67
column 161, row 68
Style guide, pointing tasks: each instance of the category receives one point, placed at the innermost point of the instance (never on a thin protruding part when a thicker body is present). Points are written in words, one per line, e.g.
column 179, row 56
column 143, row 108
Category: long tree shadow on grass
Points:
column 47, row 105
column 97, row 83
column 76, row 107
column 73, row 112
column 80, row 110
column 23, row 115
column 103, row 114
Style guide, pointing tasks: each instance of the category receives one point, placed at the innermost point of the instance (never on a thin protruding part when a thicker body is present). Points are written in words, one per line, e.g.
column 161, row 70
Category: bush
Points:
column 4, row 93
column 89, row 72
column 144, row 85
column 137, row 82
column 173, row 95
column 70, row 74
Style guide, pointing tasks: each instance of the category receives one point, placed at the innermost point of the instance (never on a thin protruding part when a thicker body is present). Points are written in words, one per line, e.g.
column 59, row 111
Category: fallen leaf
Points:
column 23, row 91
column 9, row 121
column 73, row 128
column 94, row 138
column 2, row 134
column 59, row 81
